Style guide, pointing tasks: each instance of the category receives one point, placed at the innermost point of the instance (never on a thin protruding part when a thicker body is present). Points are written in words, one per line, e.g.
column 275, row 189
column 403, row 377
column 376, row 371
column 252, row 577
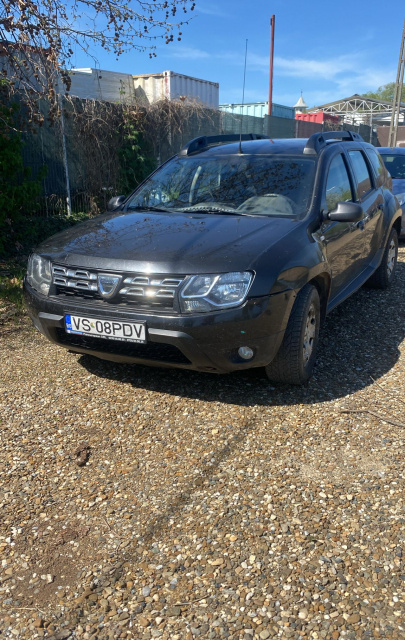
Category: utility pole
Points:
column 396, row 104
column 272, row 25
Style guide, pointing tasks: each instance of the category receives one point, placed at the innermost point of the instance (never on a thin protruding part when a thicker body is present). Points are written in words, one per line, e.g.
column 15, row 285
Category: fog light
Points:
column 245, row 352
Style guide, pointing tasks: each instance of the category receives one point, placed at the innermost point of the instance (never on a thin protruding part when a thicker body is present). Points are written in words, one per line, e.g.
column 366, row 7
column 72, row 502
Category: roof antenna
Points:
column 243, row 100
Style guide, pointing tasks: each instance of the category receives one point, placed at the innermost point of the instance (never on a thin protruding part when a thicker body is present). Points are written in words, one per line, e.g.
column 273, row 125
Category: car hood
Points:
column 167, row 243
column 398, row 185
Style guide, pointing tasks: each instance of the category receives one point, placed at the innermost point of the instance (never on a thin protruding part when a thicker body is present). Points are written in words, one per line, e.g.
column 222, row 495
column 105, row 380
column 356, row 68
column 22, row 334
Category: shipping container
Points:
column 96, row 84
column 175, row 86
column 318, row 117
column 258, row 109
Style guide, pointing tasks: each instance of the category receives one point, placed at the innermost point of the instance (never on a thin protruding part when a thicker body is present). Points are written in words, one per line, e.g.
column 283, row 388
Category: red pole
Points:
column 272, row 23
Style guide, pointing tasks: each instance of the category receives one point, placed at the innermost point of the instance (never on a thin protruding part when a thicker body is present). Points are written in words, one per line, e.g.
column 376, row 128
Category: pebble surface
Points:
column 154, row 503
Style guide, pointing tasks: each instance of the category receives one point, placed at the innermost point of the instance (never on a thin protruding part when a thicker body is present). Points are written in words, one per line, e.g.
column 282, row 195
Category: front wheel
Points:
column 295, row 359
column 384, row 275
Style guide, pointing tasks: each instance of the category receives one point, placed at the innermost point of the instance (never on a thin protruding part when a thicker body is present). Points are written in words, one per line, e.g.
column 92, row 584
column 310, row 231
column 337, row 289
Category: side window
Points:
column 361, row 172
column 377, row 164
column 338, row 188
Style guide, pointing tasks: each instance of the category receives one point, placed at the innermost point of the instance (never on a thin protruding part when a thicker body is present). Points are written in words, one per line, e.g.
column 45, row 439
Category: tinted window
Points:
column 361, row 173
column 338, row 187
column 377, row 164
column 395, row 164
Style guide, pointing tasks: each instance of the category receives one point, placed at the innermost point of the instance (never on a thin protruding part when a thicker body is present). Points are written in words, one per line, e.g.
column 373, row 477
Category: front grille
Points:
column 79, row 279
column 156, row 351
column 137, row 290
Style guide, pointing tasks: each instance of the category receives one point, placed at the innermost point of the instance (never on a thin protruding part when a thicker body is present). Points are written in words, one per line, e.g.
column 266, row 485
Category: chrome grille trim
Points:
column 152, row 288
column 74, row 278
column 133, row 291
column 73, row 273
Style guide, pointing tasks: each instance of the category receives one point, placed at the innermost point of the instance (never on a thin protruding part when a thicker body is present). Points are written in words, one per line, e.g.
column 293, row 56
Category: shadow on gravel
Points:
column 359, row 341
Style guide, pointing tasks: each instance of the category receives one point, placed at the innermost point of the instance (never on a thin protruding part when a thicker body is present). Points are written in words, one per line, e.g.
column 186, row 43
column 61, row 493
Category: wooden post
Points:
column 272, row 24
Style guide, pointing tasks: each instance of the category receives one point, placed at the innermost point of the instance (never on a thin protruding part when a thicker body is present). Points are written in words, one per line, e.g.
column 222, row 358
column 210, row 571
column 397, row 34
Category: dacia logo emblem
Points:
column 107, row 285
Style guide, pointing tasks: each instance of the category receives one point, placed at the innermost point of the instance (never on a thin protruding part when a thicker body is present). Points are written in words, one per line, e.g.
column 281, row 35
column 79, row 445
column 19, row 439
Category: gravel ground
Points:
column 155, row 503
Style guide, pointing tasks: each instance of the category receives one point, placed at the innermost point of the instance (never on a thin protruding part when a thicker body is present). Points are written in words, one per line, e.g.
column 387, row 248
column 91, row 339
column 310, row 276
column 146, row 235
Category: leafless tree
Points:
column 39, row 37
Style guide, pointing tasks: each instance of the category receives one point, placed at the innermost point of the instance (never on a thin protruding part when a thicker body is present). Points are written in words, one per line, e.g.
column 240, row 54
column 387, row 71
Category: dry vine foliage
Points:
column 98, row 132
column 38, row 38
column 168, row 124
column 95, row 132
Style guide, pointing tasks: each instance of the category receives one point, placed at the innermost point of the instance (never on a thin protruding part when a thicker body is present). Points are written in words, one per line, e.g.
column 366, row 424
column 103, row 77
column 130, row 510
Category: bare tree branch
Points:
column 38, row 38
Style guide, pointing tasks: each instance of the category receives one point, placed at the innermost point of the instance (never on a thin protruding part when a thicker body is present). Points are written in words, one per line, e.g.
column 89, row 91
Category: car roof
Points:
column 400, row 151
column 252, row 144
column 268, row 147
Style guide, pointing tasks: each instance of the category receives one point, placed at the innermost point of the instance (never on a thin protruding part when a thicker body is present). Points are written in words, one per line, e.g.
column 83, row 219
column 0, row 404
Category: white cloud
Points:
column 345, row 70
column 326, row 69
column 190, row 53
column 345, row 75
column 210, row 9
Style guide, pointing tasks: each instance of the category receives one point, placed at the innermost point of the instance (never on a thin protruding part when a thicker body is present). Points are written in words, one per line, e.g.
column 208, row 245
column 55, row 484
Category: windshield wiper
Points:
column 210, row 209
column 146, row 208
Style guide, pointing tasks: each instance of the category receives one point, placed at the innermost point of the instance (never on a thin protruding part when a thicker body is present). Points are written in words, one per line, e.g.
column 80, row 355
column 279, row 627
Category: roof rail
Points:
column 319, row 140
column 203, row 142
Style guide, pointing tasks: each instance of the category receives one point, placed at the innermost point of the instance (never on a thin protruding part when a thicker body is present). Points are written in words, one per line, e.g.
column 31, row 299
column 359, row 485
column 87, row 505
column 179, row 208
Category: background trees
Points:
column 386, row 92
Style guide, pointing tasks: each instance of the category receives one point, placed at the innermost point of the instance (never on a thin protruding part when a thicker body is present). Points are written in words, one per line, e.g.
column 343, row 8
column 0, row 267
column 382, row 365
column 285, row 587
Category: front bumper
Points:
column 202, row 342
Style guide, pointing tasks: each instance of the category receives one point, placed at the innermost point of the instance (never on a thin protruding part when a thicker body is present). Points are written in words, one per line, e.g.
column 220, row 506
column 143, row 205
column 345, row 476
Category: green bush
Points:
column 135, row 158
column 11, row 278
column 19, row 190
column 19, row 238
column 22, row 235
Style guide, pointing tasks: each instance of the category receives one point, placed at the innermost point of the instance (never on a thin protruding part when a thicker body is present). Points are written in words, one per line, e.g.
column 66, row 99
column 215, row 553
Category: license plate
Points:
column 110, row 329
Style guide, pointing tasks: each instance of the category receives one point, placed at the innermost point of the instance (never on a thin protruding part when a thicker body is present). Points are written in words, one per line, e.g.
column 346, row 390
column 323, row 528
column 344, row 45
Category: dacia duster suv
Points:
column 227, row 257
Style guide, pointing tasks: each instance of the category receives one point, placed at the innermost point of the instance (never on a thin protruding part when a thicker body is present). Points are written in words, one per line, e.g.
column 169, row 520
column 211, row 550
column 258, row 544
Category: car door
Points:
column 343, row 241
column 369, row 195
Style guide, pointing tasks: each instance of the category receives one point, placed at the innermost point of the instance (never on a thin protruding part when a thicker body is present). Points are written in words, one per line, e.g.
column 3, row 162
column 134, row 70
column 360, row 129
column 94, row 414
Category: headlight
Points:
column 39, row 274
column 212, row 292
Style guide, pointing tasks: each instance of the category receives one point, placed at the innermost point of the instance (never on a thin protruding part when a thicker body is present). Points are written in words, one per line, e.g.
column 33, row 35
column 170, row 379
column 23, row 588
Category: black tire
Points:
column 295, row 359
column 385, row 274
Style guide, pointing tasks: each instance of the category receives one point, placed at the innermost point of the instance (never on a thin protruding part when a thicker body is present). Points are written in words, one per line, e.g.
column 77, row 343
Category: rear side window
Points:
column 377, row 165
column 361, row 173
column 338, row 188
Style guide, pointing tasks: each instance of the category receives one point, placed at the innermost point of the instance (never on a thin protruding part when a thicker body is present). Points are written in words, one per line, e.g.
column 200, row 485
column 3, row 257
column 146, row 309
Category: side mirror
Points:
column 346, row 212
column 115, row 202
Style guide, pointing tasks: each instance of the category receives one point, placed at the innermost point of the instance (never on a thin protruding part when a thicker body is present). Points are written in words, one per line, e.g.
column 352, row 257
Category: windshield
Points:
column 395, row 164
column 240, row 185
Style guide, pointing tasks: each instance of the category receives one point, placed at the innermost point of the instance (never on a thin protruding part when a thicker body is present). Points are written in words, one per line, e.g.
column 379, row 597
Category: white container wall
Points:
column 175, row 86
column 96, row 84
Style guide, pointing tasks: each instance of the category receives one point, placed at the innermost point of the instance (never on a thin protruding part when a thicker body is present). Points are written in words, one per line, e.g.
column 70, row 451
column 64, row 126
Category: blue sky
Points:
column 326, row 50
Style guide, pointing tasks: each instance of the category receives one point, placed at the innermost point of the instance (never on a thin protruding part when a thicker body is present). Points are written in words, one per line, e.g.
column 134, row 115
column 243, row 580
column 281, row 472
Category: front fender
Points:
column 392, row 215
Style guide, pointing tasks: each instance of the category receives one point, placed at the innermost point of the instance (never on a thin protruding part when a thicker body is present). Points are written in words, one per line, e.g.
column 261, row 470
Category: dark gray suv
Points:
column 227, row 257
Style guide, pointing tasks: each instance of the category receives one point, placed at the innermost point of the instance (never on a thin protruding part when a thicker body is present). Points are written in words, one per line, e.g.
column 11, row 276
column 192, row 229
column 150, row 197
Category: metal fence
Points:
column 82, row 175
